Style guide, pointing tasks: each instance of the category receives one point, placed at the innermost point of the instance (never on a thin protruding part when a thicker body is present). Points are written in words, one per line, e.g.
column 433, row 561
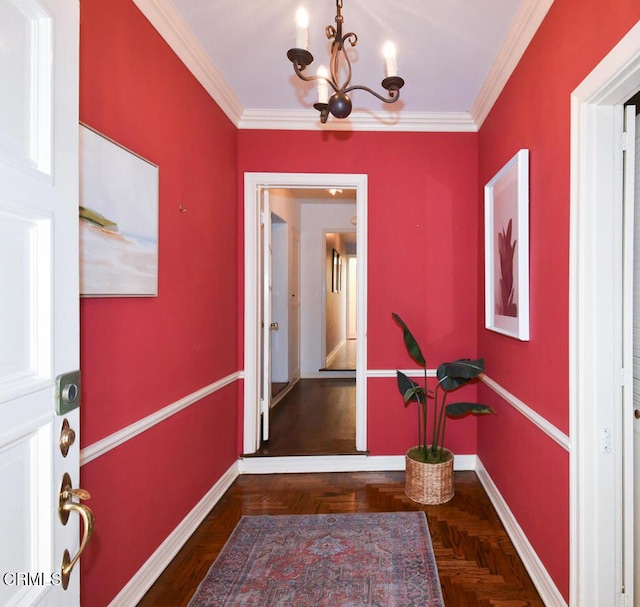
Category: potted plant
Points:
column 429, row 465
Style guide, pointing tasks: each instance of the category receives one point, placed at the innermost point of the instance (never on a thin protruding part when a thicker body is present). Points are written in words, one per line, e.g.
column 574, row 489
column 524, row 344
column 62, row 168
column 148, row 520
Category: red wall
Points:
column 422, row 245
column 425, row 262
column 139, row 355
column 533, row 112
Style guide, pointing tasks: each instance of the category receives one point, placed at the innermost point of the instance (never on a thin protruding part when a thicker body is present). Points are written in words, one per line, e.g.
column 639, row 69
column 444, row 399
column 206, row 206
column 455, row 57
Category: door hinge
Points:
column 263, row 406
column 621, row 600
column 625, row 141
column 261, row 218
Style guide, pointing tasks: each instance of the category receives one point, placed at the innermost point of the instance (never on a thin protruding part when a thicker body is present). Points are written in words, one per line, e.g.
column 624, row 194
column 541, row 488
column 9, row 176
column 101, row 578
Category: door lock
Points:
column 67, row 392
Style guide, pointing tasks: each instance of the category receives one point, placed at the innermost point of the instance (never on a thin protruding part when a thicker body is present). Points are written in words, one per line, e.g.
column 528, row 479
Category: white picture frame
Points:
column 118, row 219
column 506, row 234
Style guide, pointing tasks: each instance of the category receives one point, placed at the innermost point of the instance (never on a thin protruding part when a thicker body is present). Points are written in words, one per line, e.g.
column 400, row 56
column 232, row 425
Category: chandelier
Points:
column 339, row 103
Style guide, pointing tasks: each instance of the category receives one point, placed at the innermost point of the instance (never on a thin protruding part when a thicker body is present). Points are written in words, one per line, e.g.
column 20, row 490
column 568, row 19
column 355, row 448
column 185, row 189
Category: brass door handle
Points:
column 65, row 507
column 89, row 520
column 274, row 326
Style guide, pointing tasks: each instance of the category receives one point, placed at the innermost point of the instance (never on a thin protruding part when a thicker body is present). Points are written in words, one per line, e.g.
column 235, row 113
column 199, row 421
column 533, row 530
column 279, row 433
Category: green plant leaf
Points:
column 460, row 409
column 416, row 394
column 410, row 342
column 458, row 373
column 407, row 386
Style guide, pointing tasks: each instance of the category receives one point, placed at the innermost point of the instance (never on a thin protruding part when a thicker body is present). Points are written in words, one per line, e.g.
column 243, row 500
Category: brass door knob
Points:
column 636, row 413
column 67, row 437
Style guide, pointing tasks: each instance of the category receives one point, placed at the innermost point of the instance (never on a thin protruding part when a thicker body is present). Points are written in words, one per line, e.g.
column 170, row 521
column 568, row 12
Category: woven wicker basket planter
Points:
column 429, row 483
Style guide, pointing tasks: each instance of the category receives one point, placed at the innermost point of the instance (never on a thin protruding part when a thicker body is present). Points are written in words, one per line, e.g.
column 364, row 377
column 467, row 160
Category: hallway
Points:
column 317, row 417
column 345, row 357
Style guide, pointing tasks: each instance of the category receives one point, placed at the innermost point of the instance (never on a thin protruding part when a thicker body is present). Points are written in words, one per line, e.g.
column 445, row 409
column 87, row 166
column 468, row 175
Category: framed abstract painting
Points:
column 118, row 220
column 506, row 242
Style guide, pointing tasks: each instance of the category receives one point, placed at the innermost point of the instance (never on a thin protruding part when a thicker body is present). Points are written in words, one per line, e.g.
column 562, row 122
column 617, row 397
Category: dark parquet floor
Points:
column 317, row 417
column 477, row 562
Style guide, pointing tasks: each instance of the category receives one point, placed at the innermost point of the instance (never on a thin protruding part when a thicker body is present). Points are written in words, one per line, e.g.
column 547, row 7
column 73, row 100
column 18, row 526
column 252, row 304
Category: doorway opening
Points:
column 256, row 186
column 340, row 336
column 601, row 412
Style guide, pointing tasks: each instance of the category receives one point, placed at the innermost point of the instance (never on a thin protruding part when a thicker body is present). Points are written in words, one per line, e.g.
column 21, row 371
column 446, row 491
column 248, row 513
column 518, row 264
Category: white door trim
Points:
column 595, row 306
column 252, row 183
column 264, row 317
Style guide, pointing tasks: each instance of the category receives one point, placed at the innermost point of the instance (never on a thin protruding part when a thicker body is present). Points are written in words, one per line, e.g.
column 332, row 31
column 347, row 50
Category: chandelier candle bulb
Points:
column 390, row 59
column 302, row 33
column 323, row 85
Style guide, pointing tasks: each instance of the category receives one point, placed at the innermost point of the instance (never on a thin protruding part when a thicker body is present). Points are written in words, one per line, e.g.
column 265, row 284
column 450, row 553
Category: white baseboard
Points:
column 336, row 463
column 155, row 565
column 547, row 589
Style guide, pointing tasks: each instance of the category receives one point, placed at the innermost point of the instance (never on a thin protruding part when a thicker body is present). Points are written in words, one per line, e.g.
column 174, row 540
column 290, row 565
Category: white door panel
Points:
column 26, row 110
column 25, row 348
column 39, row 337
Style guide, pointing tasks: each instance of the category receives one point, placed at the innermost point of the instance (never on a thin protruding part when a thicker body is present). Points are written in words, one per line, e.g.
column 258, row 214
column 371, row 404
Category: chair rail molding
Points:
column 125, row 434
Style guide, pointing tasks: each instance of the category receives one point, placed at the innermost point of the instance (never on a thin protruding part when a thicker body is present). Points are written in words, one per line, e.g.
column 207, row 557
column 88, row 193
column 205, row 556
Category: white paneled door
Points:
column 39, row 304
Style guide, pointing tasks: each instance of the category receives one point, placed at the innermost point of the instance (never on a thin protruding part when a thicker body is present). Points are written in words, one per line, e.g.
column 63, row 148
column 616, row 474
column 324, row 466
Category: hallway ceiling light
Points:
column 339, row 104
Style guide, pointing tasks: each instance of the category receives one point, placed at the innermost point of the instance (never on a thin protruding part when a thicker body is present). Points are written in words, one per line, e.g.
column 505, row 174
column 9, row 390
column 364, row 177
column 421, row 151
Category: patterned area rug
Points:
column 341, row 560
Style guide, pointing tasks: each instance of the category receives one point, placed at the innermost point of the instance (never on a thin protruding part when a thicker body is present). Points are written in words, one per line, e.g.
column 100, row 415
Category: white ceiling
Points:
column 454, row 55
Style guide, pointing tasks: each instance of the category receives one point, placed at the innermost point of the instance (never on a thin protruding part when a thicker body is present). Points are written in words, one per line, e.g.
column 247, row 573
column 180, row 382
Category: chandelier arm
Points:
column 347, row 80
column 336, row 50
column 298, row 71
column 335, row 67
column 394, row 93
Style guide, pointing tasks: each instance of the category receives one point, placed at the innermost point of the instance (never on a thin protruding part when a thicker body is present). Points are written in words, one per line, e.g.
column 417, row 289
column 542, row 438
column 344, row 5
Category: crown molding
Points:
column 523, row 27
column 308, row 120
column 176, row 33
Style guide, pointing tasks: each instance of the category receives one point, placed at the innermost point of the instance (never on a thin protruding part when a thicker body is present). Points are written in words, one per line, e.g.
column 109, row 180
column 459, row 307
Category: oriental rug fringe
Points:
column 338, row 560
